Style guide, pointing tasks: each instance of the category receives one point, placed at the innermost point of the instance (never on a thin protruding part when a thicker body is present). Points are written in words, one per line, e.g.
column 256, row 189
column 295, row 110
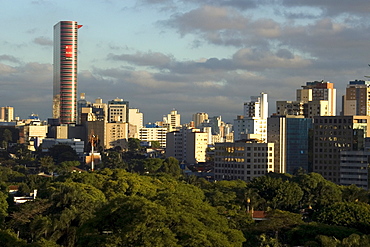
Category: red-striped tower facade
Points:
column 65, row 71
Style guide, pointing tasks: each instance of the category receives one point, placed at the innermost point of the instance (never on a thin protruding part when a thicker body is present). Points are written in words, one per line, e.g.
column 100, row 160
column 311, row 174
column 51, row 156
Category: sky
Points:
column 189, row 55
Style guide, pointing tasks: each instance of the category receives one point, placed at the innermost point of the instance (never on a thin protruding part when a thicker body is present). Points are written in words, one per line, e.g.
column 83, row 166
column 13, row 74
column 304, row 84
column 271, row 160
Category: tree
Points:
column 47, row 164
column 171, row 166
column 277, row 193
column 7, row 137
column 133, row 145
column 113, row 160
column 165, row 218
column 348, row 214
column 155, row 144
column 62, row 152
column 72, row 205
column 317, row 191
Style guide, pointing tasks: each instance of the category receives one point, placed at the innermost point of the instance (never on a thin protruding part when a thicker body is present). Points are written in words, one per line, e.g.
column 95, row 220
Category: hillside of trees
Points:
column 131, row 200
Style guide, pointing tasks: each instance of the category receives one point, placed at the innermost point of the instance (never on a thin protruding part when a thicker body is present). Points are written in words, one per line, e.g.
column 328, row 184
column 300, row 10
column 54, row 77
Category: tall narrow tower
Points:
column 65, row 71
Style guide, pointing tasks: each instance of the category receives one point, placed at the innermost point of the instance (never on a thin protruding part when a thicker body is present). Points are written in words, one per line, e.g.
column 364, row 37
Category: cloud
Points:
column 43, row 41
column 333, row 7
column 9, row 58
column 143, row 59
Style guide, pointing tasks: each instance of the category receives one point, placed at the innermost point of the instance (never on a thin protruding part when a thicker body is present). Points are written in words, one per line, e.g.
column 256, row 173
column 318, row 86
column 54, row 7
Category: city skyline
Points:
column 207, row 56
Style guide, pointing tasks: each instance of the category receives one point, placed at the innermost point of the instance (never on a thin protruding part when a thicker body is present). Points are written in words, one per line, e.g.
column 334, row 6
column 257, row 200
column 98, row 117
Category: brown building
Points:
column 333, row 134
column 357, row 99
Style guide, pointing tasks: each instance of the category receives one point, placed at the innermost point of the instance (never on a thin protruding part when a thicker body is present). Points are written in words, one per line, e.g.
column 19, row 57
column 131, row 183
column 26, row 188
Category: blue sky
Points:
column 195, row 56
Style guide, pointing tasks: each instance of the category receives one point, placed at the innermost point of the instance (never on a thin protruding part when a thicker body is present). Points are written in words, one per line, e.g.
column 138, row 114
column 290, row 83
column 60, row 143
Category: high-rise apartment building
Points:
column 254, row 120
column 199, row 118
column 118, row 111
column 65, row 71
column 188, row 145
column 356, row 101
column 172, row 121
column 319, row 90
column 6, row 113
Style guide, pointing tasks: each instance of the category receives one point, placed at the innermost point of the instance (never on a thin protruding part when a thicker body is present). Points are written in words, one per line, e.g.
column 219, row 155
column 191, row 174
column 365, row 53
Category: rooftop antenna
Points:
column 93, row 140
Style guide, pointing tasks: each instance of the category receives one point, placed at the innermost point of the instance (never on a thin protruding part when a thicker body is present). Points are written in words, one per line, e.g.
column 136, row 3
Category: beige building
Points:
column 6, row 114
column 188, row 145
column 199, row 118
column 116, row 134
column 136, row 119
column 33, row 134
column 319, row 90
column 243, row 160
column 172, row 121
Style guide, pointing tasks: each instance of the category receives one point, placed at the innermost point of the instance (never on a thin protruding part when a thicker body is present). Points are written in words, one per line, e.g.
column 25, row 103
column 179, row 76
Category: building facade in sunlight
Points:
column 65, row 71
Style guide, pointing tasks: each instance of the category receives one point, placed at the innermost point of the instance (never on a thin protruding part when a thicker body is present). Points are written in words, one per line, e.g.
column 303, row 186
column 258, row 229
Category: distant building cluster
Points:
column 302, row 134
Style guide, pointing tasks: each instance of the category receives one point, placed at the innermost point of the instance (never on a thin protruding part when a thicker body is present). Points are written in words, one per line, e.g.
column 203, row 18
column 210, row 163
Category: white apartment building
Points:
column 254, row 120
column 153, row 134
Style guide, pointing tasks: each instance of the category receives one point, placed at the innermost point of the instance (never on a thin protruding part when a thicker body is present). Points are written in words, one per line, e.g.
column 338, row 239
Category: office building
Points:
column 354, row 168
column 65, row 72
column 331, row 136
column 243, row 160
column 290, row 134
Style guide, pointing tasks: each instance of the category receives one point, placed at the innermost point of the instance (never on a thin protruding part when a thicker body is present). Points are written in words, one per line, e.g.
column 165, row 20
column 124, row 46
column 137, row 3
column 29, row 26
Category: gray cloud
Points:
column 44, row 41
column 9, row 58
column 143, row 59
column 333, row 7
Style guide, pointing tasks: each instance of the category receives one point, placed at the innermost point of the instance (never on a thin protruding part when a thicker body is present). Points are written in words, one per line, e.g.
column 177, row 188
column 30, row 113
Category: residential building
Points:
column 153, row 133
column 188, row 145
column 356, row 101
column 118, row 111
column 136, row 119
column 6, row 114
column 199, row 118
column 319, row 90
column 172, row 121
column 254, row 120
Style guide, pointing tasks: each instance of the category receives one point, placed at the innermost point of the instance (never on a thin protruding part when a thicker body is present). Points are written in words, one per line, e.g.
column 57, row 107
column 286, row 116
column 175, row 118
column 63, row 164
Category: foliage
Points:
column 304, row 233
column 348, row 214
column 277, row 193
column 62, row 152
column 164, row 219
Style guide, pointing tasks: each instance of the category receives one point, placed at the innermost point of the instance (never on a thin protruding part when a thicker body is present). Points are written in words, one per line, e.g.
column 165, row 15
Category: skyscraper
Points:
column 65, row 71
